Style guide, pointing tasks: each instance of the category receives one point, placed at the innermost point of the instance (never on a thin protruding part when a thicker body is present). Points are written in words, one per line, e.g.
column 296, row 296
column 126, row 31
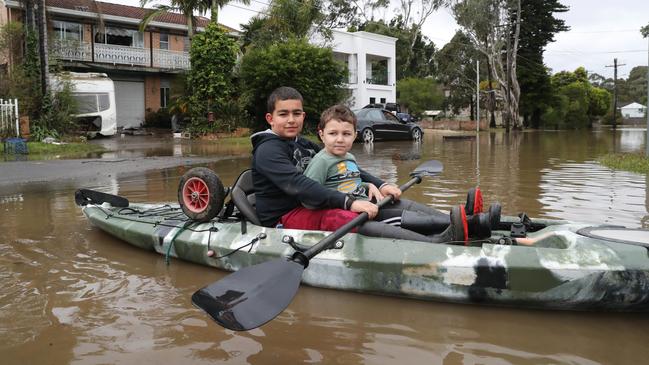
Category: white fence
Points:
column 9, row 125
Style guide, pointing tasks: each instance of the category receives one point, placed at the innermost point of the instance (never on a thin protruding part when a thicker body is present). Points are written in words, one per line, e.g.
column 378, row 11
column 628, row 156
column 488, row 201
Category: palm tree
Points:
column 215, row 5
column 185, row 7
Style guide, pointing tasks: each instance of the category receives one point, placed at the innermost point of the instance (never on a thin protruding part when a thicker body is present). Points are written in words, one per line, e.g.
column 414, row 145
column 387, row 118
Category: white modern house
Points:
column 371, row 62
column 633, row 110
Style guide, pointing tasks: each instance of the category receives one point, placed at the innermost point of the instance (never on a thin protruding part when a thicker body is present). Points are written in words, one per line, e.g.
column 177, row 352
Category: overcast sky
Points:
column 599, row 32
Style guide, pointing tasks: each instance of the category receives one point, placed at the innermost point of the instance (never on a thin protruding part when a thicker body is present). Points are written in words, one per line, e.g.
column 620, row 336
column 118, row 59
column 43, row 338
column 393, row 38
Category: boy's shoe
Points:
column 474, row 202
column 457, row 231
column 479, row 225
column 494, row 215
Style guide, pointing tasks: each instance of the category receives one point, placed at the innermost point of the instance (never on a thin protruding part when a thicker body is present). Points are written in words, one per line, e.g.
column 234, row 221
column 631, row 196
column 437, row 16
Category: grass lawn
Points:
column 39, row 150
column 634, row 162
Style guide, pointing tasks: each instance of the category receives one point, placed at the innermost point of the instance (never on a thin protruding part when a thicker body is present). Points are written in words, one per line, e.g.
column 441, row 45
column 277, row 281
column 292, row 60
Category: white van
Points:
column 95, row 96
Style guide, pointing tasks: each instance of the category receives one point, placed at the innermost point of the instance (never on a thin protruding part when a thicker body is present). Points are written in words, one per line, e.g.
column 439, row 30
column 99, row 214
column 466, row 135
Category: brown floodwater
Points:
column 70, row 294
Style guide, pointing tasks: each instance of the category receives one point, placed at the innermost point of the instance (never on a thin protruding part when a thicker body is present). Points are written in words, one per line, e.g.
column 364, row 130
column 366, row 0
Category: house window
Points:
column 164, row 97
column 120, row 37
column 164, row 41
column 382, row 100
column 372, row 100
column 67, row 31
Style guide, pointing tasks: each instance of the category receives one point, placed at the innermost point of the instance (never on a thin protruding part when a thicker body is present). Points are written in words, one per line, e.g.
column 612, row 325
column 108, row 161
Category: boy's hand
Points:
column 373, row 193
column 360, row 206
column 389, row 189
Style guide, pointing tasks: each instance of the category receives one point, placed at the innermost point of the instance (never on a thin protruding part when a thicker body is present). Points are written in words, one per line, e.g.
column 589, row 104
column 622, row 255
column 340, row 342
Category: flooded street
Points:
column 70, row 294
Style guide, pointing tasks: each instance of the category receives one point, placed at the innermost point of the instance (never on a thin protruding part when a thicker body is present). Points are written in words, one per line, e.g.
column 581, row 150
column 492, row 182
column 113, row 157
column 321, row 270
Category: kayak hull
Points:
column 563, row 270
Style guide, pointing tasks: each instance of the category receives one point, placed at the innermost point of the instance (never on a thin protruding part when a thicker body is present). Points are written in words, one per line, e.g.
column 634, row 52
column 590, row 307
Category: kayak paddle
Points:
column 254, row 295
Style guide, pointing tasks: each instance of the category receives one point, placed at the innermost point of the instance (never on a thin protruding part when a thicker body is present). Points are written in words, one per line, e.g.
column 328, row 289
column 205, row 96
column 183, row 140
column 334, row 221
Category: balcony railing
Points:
column 123, row 55
column 377, row 78
column 170, row 59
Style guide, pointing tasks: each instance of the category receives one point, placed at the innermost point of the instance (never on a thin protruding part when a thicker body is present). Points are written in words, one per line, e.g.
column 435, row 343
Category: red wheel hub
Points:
column 196, row 195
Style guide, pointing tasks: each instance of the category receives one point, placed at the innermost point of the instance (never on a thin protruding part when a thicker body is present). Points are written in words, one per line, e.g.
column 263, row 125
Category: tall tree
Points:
column 493, row 27
column 417, row 61
column 538, row 28
column 456, row 70
column 285, row 20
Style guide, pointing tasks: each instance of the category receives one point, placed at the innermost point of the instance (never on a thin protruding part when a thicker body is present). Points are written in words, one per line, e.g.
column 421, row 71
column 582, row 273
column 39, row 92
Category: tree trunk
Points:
column 42, row 46
column 515, row 88
column 215, row 12
column 492, row 97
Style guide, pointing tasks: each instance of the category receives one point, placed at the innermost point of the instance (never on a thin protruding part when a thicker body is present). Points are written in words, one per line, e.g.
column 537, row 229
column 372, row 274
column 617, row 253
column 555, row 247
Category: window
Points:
column 375, row 114
column 91, row 102
column 164, row 97
column 390, row 117
column 372, row 100
column 120, row 37
column 382, row 100
column 67, row 31
column 164, row 41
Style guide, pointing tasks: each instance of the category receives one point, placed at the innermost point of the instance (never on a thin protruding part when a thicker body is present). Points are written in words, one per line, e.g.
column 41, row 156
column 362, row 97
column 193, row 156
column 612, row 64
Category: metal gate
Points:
column 9, row 125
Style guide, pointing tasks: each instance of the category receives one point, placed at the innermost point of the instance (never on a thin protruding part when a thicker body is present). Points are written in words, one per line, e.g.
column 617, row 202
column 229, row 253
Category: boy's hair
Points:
column 282, row 93
column 339, row 112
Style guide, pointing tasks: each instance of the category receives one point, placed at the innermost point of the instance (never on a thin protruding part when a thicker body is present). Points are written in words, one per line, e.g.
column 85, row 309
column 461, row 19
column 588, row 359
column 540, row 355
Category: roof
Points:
column 633, row 106
column 122, row 10
column 126, row 11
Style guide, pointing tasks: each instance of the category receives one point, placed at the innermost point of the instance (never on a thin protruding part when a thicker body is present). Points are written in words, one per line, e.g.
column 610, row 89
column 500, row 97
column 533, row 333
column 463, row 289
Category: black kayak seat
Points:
column 243, row 197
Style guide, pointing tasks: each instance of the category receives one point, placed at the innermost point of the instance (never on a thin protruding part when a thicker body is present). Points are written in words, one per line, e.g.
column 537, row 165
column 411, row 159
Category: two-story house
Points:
column 93, row 36
column 371, row 63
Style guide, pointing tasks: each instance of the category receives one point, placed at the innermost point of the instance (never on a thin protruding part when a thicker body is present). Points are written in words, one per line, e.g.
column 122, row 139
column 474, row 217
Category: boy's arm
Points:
column 276, row 165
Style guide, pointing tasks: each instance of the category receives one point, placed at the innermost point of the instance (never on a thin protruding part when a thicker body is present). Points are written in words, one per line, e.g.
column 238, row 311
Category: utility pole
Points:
column 615, row 65
column 477, row 95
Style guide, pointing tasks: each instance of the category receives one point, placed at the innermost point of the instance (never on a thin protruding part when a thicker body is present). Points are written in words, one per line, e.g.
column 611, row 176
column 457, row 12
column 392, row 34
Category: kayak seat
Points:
column 243, row 197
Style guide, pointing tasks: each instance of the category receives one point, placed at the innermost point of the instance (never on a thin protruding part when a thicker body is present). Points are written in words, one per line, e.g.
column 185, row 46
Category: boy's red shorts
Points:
column 319, row 220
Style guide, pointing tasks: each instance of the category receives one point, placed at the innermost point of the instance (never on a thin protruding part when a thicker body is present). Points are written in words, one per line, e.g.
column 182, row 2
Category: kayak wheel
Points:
column 201, row 194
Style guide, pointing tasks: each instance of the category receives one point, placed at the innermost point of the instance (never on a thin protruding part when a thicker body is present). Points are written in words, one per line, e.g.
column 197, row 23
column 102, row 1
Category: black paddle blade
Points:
column 86, row 196
column 252, row 296
column 432, row 167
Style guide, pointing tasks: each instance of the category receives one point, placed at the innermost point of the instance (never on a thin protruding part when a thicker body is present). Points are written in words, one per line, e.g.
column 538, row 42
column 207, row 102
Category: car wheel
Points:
column 201, row 194
column 368, row 135
column 416, row 134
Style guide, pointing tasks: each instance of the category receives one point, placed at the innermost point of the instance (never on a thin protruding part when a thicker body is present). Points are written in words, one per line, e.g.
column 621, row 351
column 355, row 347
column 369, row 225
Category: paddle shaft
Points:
column 335, row 236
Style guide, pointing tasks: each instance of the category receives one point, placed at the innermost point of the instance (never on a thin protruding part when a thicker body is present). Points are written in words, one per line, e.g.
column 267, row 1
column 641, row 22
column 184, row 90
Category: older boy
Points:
column 280, row 156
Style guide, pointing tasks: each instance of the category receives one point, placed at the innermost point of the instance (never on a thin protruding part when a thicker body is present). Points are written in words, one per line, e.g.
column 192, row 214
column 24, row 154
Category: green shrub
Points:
column 311, row 70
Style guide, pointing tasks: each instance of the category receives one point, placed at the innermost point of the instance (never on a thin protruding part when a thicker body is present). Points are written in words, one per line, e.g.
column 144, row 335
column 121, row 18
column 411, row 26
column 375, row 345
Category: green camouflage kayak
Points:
column 571, row 266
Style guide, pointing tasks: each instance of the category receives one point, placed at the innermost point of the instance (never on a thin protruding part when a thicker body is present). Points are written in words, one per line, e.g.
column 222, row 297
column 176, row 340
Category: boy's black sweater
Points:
column 277, row 168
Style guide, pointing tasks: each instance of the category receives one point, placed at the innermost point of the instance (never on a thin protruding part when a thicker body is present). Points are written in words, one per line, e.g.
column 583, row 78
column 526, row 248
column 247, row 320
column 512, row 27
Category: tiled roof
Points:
column 124, row 11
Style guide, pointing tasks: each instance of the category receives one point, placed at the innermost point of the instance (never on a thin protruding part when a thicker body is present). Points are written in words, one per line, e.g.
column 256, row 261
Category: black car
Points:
column 375, row 123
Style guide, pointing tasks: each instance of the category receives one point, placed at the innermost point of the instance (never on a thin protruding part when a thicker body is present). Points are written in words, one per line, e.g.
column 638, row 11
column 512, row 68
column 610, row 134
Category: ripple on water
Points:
column 589, row 192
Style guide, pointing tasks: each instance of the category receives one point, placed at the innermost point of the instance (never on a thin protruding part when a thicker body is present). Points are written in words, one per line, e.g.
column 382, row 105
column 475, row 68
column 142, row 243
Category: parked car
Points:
column 377, row 123
column 393, row 107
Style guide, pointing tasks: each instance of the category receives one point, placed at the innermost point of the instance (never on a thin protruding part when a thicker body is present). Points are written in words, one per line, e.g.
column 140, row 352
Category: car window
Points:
column 390, row 117
column 375, row 114
column 361, row 113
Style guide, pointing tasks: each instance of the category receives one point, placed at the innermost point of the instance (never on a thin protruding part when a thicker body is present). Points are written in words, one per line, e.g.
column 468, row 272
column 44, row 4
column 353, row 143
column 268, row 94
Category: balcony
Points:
column 122, row 55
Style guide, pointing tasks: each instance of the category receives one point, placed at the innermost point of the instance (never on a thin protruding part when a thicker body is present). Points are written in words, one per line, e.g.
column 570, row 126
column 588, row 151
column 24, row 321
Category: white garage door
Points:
column 129, row 99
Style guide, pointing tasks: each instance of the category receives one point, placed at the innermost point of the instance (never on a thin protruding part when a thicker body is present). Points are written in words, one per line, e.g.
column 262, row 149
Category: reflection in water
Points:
column 71, row 294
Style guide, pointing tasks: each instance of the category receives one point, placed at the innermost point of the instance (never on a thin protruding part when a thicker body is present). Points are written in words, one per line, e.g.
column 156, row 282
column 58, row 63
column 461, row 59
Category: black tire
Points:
column 367, row 135
column 416, row 134
column 201, row 194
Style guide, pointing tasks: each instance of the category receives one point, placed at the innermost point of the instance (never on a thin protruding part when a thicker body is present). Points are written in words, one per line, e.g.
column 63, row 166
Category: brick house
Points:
column 141, row 64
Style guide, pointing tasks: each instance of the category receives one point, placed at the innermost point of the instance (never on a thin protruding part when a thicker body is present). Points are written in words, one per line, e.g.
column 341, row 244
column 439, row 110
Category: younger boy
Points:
column 336, row 168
